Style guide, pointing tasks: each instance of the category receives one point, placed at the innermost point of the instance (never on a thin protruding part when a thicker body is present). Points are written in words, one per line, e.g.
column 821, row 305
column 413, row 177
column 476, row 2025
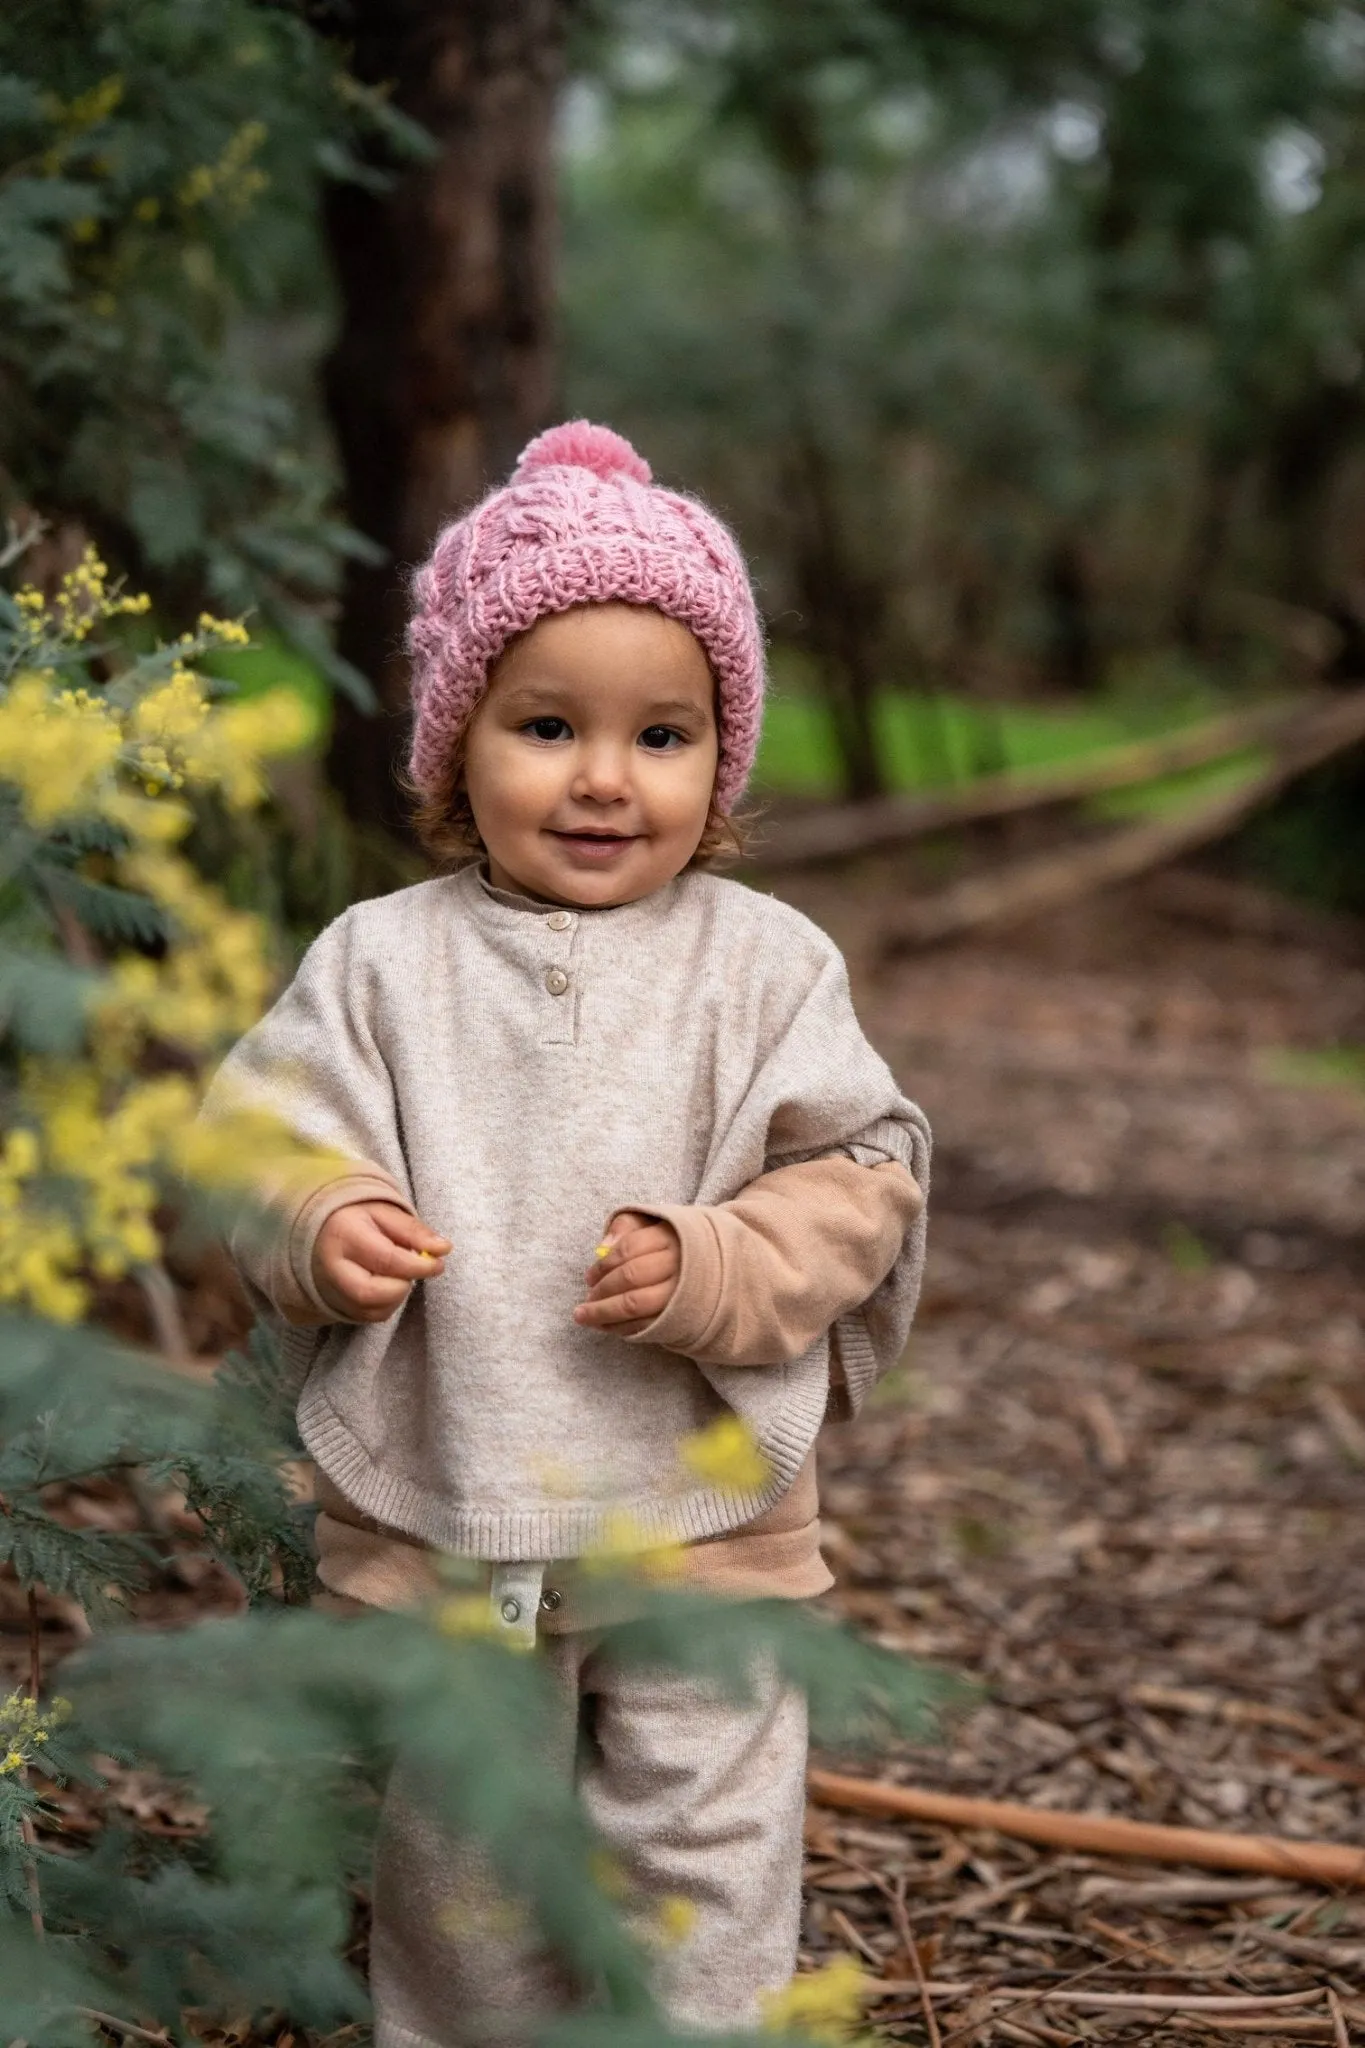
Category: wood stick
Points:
column 1340, row 2035
column 1298, row 2027
column 907, row 1935
column 1168, row 1892
column 1246, row 2002
column 1171, row 2001
column 35, row 1647
column 1317, row 1766
column 843, row 829
column 125, row 2027
column 1327, row 1863
column 1179, row 1699
column 1050, row 881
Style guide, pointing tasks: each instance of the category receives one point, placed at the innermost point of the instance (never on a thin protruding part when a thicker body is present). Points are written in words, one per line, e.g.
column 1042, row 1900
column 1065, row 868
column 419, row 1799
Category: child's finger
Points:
column 368, row 1297
column 637, row 1306
column 375, row 1252
column 648, row 1269
column 632, row 1244
column 409, row 1230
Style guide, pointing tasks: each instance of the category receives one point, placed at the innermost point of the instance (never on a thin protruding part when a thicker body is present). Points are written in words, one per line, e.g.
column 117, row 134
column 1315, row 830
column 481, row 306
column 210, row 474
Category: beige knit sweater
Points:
column 762, row 1276
column 518, row 1073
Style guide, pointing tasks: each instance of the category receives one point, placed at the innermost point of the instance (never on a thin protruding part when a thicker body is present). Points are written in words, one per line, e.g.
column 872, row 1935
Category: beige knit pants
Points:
column 698, row 1797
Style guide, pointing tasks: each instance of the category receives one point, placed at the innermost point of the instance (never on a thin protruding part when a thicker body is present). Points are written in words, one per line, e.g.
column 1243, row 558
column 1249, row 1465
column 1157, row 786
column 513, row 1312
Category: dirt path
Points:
column 1120, row 1479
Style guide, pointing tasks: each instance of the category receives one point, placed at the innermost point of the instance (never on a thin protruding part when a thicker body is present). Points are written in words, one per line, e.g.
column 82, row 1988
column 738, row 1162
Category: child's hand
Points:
column 367, row 1256
column 635, row 1281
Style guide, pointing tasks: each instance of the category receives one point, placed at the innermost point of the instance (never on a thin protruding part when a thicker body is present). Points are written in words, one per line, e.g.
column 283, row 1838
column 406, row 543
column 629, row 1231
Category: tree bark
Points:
column 444, row 364
column 843, row 611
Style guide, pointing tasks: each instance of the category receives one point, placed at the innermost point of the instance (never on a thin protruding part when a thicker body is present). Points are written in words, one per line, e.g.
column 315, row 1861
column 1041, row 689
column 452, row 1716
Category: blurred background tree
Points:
column 1021, row 342
column 444, row 361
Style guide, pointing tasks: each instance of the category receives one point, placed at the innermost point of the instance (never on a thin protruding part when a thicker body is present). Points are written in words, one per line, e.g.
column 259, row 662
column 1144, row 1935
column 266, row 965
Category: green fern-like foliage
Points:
column 161, row 169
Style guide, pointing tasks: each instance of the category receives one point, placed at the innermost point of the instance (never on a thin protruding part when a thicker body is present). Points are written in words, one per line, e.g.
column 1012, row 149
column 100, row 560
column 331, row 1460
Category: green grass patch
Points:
column 1328, row 1066
column 1186, row 1252
column 1192, row 786
column 929, row 741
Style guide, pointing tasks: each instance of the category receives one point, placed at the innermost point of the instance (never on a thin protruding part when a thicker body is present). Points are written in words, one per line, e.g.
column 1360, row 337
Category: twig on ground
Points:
column 1335, row 1955
column 1313, row 1862
column 1179, row 1699
column 1343, row 2039
column 1318, row 1766
column 896, row 1894
column 849, row 1933
column 125, row 2027
column 1121, row 1938
column 1181, row 1891
column 1306, row 2028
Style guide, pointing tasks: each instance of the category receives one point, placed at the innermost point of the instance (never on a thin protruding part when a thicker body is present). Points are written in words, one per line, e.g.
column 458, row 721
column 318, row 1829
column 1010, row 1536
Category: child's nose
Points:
column 603, row 775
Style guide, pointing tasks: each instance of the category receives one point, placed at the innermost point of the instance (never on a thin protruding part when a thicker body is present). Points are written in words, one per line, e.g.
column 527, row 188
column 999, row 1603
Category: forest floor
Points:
column 1120, row 1479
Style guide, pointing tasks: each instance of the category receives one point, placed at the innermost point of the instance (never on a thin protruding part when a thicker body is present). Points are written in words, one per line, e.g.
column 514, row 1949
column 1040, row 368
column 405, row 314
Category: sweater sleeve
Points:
column 313, row 1060
column 273, row 1247
column 766, row 1274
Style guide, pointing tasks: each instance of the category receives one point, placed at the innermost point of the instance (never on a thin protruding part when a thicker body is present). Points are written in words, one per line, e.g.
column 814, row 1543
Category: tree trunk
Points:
column 444, row 364
column 843, row 612
column 1066, row 589
column 1306, row 451
column 1193, row 611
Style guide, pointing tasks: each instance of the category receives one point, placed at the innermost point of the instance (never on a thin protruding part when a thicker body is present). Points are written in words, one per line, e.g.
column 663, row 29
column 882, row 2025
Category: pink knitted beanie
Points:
column 581, row 522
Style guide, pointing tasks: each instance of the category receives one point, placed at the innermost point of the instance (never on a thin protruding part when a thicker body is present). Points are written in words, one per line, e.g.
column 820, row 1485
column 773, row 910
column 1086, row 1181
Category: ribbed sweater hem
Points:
column 858, row 1358
column 569, row 1529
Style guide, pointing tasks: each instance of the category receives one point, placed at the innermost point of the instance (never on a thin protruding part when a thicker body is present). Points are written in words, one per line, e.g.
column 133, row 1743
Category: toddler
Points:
column 581, row 1039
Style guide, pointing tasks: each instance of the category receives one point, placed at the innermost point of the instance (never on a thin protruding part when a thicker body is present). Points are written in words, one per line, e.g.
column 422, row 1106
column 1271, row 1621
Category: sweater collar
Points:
column 507, row 908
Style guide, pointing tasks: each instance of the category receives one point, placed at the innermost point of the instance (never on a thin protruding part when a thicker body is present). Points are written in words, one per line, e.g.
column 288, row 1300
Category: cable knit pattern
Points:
column 581, row 522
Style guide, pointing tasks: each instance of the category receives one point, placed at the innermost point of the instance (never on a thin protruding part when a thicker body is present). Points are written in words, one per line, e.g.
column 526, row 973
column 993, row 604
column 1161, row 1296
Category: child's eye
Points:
column 661, row 739
column 548, row 729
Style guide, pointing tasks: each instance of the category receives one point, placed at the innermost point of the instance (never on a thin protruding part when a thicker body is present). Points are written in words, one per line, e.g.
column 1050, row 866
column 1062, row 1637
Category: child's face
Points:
column 589, row 764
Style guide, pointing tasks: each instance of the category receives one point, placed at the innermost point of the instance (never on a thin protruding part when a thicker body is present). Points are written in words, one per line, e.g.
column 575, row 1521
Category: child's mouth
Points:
column 598, row 849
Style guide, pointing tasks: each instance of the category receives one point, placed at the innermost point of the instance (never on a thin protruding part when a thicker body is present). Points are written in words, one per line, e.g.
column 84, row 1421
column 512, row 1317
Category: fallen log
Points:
column 1102, row 1834
column 1248, row 911
column 1050, row 881
column 834, row 832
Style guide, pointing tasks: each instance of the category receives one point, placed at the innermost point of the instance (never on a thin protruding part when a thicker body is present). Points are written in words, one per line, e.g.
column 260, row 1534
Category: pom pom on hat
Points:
column 578, row 444
column 581, row 522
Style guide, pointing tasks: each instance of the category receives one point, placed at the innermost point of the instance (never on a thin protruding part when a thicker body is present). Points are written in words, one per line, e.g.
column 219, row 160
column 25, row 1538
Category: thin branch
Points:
column 35, row 1646
column 839, row 830
column 125, row 2027
column 1330, row 1863
column 17, row 544
column 1339, row 2033
column 903, row 1928
column 158, row 1291
column 1051, row 881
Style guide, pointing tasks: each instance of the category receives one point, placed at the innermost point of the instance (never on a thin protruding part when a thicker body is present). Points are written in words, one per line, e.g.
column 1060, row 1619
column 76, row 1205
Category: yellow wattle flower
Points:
column 826, row 2005
column 726, row 1454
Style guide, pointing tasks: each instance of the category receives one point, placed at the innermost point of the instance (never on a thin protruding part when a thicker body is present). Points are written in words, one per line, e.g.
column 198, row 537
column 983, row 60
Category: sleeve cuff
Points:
column 682, row 1324
column 371, row 1185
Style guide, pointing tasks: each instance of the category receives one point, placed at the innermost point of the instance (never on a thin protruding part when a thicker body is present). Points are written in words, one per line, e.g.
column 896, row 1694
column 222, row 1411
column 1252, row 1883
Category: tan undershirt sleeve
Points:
column 275, row 1251
column 767, row 1274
